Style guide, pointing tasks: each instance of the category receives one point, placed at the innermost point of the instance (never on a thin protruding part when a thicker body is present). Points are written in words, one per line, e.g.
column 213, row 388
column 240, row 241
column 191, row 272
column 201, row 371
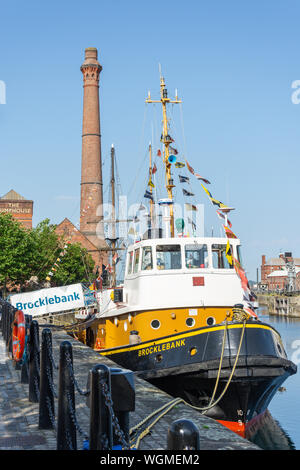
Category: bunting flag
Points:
column 154, row 169
column 222, row 216
column 213, row 200
column 179, row 165
column 229, row 233
column 250, row 311
column 174, row 151
column 58, row 260
column 192, row 223
column 228, row 253
column 148, row 195
column 184, row 179
column 158, row 153
column 187, row 193
column 108, row 268
column 191, row 170
column 191, row 207
column 150, row 183
column 241, row 273
column 201, row 178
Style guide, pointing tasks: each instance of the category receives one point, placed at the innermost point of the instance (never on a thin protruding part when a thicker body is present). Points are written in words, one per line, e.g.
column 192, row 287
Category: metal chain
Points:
column 115, row 422
column 50, row 354
column 36, row 387
column 51, row 382
column 51, row 415
column 73, row 416
column 75, row 383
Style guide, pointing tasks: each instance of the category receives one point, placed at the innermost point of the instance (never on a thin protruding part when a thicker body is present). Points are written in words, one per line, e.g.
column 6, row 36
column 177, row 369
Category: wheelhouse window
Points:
column 130, row 258
column 136, row 260
column 168, row 257
column 239, row 254
column 196, row 256
column 147, row 258
column 220, row 261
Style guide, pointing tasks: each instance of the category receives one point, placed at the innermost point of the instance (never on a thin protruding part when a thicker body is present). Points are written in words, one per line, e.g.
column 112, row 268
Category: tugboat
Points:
column 184, row 318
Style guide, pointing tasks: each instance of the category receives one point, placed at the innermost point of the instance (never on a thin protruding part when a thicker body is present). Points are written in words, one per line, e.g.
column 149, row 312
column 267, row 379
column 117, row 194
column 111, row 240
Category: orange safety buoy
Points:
column 18, row 336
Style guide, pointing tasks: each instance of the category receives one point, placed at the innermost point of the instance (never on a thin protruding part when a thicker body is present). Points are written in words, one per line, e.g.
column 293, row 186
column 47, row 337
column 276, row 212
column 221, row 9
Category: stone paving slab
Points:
column 19, row 417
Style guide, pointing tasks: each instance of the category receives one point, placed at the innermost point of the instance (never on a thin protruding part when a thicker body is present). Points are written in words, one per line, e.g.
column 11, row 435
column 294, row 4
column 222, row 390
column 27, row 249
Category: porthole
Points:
column 210, row 321
column 190, row 322
column 155, row 324
column 158, row 358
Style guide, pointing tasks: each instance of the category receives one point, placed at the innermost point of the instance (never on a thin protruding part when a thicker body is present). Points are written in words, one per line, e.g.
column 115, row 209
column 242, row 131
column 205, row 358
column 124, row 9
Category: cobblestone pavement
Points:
column 19, row 417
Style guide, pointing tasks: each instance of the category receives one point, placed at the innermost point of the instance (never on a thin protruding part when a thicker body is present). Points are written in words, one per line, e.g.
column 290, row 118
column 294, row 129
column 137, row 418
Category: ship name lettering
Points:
column 161, row 347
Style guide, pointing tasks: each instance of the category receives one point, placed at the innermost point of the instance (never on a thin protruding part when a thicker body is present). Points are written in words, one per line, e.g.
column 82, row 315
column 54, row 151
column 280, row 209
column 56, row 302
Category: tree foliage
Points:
column 25, row 253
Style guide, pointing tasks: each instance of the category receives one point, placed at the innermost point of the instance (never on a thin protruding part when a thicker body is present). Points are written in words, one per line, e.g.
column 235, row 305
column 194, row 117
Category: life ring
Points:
column 18, row 336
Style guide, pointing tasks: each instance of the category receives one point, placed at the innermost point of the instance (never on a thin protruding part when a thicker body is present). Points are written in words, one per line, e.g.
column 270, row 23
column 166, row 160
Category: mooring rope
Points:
column 168, row 406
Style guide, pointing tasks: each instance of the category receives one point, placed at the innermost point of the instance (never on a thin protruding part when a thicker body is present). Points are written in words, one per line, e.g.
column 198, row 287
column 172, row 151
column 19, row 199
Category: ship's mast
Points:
column 166, row 140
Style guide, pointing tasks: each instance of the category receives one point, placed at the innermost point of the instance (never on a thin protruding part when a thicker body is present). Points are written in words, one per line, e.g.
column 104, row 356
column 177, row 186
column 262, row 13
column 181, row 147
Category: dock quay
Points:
column 281, row 304
column 19, row 417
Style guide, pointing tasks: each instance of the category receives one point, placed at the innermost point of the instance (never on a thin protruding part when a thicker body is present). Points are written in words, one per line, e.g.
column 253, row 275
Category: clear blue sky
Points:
column 233, row 63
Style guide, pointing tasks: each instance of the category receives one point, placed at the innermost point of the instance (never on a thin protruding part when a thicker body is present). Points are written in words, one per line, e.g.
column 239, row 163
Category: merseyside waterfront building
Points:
column 20, row 208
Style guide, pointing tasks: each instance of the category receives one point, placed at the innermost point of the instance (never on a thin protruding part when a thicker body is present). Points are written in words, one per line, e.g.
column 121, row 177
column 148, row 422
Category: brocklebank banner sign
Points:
column 55, row 299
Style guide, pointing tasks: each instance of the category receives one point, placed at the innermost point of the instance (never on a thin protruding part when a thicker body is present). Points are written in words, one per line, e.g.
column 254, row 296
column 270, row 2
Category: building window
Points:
column 168, row 257
column 196, row 256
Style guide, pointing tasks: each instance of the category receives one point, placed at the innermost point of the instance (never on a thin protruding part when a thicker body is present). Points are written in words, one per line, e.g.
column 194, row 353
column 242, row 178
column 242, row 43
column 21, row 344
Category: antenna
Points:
column 159, row 69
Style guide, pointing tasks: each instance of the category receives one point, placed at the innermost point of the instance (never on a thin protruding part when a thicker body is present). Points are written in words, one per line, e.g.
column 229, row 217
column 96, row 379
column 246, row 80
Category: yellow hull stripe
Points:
column 178, row 337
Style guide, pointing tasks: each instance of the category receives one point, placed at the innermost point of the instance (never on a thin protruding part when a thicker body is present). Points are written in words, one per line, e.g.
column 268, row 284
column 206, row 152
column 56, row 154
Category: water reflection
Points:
column 269, row 435
column 279, row 430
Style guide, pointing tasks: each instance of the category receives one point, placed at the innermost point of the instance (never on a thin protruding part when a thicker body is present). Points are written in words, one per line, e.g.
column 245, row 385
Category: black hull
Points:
column 186, row 365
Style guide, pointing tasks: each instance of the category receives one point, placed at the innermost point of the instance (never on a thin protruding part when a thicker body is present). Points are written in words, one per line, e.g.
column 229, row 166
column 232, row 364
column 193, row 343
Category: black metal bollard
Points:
column 123, row 397
column 4, row 321
column 10, row 319
column 34, row 362
column 66, row 429
column 46, row 409
column 183, row 434
column 101, row 435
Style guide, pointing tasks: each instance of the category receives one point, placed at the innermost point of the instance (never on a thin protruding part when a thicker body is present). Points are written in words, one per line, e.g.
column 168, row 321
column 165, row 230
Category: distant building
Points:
column 20, row 208
column 274, row 273
column 69, row 232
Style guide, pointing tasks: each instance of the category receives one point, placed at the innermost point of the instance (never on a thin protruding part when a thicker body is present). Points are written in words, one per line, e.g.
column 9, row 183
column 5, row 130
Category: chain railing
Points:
column 40, row 364
column 110, row 394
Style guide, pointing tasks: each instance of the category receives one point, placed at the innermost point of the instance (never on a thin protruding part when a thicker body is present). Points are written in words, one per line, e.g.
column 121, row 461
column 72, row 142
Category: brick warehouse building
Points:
column 20, row 208
column 274, row 273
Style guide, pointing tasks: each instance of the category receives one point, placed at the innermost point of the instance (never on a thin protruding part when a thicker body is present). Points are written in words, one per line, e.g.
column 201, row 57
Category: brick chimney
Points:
column 91, row 209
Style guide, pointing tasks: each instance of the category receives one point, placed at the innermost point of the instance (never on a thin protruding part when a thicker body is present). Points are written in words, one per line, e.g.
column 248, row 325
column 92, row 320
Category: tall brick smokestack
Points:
column 91, row 212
